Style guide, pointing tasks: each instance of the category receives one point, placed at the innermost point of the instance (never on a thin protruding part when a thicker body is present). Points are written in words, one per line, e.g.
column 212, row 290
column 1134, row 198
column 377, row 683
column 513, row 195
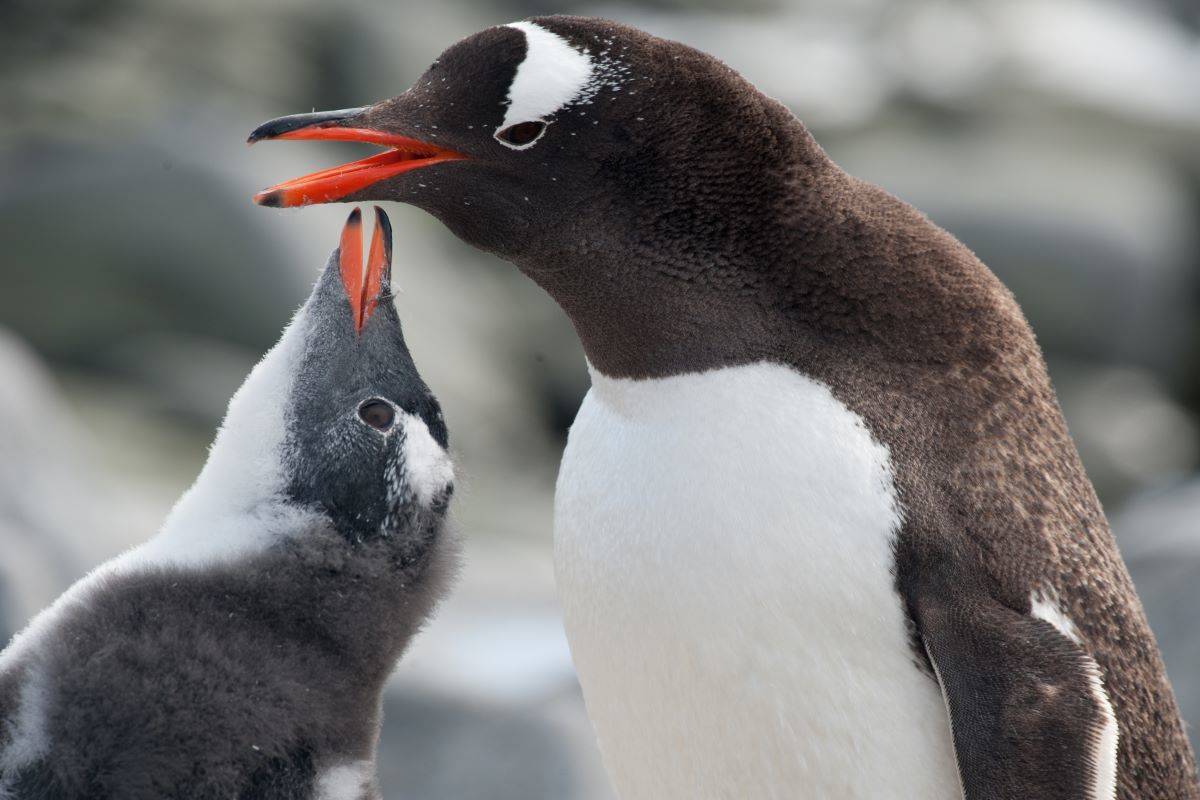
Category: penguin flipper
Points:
column 1028, row 711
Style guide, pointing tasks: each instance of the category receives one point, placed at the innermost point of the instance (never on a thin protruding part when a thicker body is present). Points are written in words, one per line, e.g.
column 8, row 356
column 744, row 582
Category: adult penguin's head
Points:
column 608, row 164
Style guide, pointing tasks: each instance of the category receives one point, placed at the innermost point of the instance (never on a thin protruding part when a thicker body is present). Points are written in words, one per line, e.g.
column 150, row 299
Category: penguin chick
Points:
column 242, row 651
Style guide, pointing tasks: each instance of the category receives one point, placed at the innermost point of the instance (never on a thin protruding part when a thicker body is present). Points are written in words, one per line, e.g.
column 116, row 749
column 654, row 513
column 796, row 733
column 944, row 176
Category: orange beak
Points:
column 403, row 155
column 364, row 288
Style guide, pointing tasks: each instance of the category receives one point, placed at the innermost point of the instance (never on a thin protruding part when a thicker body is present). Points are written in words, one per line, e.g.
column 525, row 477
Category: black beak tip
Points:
column 281, row 125
column 385, row 224
column 268, row 130
column 269, row 199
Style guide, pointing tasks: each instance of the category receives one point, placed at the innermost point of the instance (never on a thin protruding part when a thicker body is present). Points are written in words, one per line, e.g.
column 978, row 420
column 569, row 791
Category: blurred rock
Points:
column 443, row 748
column 75, row 489
column 1159, row 535
column 120, row 264
column 1096, row 240
column 486, row 704
column 1130, row 432
column 190, row 375
column 1127, row 59
column 842, row 64
column 50, row 513
column 98, row 68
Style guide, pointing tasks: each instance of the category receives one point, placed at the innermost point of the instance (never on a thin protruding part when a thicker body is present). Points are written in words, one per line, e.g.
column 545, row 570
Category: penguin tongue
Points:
column 332, row 184
column 363, row 289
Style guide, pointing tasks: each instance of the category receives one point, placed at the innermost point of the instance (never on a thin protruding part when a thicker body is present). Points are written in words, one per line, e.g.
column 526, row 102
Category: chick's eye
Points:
column 378, row 414
column 522, row 134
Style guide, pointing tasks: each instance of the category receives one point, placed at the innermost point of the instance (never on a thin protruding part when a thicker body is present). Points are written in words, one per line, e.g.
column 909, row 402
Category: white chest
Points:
column 723, row 552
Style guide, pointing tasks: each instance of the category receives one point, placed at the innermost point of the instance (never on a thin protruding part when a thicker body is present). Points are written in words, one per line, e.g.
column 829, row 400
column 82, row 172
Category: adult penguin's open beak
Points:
column 403, row 154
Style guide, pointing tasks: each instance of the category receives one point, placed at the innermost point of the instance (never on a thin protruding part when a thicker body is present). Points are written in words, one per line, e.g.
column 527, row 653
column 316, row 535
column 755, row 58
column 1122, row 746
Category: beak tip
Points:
column 265, row 131
column 384, row 226
column 381, row 219
column 281, row 127
column 269, row 199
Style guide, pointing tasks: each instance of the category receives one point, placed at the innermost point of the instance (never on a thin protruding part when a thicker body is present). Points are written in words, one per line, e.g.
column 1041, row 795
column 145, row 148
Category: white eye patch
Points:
column 552, row 75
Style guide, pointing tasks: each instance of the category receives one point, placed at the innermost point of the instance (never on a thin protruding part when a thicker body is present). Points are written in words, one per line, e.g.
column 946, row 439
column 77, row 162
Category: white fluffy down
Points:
column 552, row 75
column 345, row 781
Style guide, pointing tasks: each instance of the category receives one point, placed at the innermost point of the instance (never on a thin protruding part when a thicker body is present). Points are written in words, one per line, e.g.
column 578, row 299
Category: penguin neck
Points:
column 211, row 525
column 658, row 299
column 820, row 264
column 237, row 505
column 662, row 335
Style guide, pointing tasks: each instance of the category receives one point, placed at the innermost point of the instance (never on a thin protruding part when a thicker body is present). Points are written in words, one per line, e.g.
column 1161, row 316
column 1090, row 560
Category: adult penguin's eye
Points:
column 521, row 135
column 377, row 413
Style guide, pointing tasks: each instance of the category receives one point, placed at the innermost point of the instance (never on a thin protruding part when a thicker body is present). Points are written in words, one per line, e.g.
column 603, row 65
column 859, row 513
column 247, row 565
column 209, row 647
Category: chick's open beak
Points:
column 403, row 155
column 364, row 288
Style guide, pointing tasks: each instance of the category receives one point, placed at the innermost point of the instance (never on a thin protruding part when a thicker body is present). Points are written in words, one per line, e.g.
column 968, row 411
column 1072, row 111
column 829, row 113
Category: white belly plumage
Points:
column 723, row 553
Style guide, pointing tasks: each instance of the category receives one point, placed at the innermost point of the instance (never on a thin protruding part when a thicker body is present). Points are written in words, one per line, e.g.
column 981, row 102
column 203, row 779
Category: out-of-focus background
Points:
column 1060, row 139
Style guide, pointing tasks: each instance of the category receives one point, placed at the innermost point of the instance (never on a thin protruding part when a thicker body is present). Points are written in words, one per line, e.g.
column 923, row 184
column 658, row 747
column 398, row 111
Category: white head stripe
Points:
column 553, row 74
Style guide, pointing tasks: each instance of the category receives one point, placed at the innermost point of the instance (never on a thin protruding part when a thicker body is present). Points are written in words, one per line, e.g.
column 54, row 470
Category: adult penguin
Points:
column 820, row 530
